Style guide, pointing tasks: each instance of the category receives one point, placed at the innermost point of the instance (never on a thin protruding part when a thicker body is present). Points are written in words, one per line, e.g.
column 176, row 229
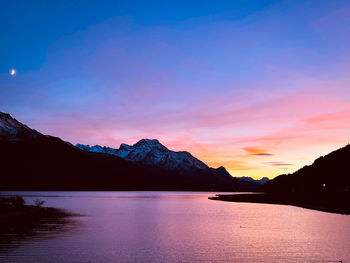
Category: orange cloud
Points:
column 297, row 127
column 256, row 151
column 279, row 164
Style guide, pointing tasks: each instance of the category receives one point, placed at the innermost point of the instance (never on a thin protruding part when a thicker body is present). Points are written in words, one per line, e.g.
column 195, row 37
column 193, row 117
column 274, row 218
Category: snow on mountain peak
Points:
column 149, row 143
column 96, row 148
column 152, row 152
column 11, row 128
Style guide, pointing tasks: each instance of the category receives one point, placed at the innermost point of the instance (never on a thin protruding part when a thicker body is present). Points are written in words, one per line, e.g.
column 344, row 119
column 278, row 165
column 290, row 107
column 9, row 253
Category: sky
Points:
column 259, row 87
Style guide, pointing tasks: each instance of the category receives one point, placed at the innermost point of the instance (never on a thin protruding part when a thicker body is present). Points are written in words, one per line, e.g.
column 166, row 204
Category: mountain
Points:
column 330, row 173
column 261, row 181
column 13, row 130
column 151, row 152
column 97, row 149
column 324, row 186
column 30, row 160
column 180, row 166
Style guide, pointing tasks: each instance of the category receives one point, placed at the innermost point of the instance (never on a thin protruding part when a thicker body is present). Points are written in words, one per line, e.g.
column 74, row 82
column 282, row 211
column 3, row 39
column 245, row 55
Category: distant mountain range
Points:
column 151, row 152
column 33, row 161
column 261, row 181
column 329, row 173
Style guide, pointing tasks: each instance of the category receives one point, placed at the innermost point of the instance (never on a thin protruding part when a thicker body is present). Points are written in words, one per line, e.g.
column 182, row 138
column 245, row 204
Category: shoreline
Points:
column 19, row 221
column 28, row 222
column 29, row 217
column 31, row 212
column 332, row 204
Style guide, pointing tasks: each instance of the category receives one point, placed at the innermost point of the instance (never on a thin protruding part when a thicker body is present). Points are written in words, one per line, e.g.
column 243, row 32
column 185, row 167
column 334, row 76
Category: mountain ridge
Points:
column 143, row 151
column 12, row 129
column 261, row 181
column 324, row 185
column 151, row 152
column 327, row 173
column 33, row 161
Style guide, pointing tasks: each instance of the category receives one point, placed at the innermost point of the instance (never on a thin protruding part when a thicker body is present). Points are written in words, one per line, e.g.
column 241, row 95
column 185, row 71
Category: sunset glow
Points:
column 255, row 90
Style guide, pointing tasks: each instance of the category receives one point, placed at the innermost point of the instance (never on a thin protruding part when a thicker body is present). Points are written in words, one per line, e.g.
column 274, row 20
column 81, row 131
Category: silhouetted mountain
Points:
column 153, row 153
column 330, row 173
column 324, row 185
column 177, row 166
column 261, row 181
column 30, row 160
column 13, row 130
column 97, row 149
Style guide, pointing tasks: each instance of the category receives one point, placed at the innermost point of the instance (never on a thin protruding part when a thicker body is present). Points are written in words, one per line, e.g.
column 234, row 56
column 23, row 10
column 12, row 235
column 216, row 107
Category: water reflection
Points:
column 181, row 227
column 16, row 234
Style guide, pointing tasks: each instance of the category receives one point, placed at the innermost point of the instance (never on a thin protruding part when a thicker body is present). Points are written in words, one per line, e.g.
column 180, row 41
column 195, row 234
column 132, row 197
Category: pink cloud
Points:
column 220, row 129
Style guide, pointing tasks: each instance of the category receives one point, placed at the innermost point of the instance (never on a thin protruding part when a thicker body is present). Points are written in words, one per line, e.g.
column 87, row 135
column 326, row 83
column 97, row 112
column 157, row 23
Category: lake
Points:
column 180, row 227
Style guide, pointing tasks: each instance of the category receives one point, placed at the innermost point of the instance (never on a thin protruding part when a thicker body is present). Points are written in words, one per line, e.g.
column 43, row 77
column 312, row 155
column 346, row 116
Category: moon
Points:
column 13, row 72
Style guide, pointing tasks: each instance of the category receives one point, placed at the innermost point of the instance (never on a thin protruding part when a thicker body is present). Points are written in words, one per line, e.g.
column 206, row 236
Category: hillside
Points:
column 33, row 161
column 329, row 173
column 324, row 186
column 152, row 154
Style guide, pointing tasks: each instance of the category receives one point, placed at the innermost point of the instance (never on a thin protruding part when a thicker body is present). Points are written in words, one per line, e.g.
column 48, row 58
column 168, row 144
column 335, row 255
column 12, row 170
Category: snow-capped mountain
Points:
column 177, row 168
column 97, row 149
column 33, row 161
column 151, row 152
column 11, row 129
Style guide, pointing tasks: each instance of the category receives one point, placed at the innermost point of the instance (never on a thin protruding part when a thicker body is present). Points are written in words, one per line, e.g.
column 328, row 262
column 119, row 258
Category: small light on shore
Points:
column 324, row 185
column 13, row 72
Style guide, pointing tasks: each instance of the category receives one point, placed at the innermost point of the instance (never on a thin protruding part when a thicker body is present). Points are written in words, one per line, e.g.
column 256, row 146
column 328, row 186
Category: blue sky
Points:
column 212, row 77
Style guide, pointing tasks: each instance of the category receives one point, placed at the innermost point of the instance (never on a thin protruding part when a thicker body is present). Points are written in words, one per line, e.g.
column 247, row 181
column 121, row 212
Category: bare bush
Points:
column 39, row 202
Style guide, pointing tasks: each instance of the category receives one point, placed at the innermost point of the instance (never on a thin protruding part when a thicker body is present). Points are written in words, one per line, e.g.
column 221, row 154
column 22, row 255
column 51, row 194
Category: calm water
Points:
column 181, row 227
